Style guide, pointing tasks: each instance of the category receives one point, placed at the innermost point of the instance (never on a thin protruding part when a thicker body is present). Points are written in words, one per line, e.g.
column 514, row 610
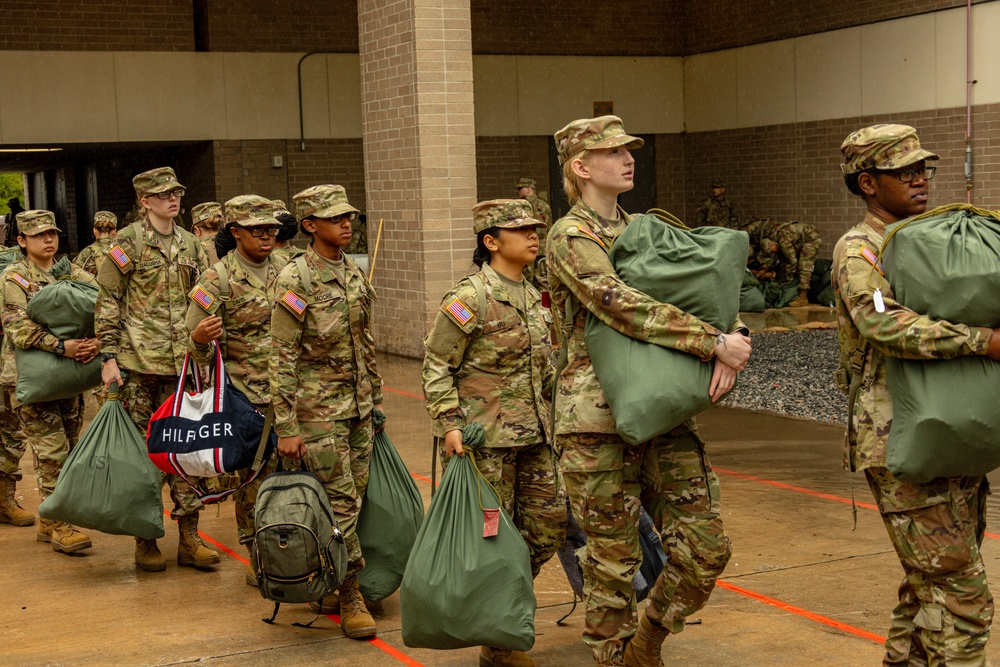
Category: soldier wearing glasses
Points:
column 144, row 281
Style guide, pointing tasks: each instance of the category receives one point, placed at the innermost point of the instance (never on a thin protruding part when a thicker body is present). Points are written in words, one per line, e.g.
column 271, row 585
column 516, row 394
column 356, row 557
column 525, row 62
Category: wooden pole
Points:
column 378, row 239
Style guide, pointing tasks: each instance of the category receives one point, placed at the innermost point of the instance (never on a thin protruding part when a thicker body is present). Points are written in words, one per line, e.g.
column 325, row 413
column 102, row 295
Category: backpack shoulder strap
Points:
column 140, row 240
column 480, row 286
column 225, row 292
column 305, row 275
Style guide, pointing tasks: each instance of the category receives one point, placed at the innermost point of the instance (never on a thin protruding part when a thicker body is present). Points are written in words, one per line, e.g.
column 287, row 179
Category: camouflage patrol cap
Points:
column 279, row 206
column 250, row 211
column 105, row 220
column 161, row 179
column 322, row 201
column 35, row 221
column 885, row 146
column 527, row 183
column 718, row 183
column 205, row 211
column 503, row 213
column 593, row 133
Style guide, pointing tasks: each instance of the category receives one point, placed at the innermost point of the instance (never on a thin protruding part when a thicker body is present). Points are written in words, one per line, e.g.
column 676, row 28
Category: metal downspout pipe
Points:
column 968, row 101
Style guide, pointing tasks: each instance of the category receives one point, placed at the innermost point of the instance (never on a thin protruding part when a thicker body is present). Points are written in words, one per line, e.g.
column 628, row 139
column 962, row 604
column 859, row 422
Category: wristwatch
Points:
column 60, row 348
column 105, row 356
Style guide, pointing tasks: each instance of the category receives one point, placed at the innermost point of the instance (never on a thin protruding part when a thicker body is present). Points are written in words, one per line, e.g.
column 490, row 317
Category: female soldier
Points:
column 606, row 478
column 486, row 361
column 50, row 427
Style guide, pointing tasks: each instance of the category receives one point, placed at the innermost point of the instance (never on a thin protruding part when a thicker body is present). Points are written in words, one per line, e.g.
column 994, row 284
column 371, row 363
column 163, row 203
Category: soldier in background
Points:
column 324, row 377
column 606, row 478
column 498, row 379
column 945, row 607
column 231, row 304
column 718, row 210
column 206, row 218
column 537, row 273
column 144, row 281
column 283, row 247
column 105, row 229
column 359, row 237
column 786, row 251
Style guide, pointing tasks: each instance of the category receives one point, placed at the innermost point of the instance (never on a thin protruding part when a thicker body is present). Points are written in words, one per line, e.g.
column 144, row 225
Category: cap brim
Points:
column 333, row 211
column 257, row 222
column 39, row 230
column 164, row 187
column 620, row 140
column 911, row 158
column 523, row 222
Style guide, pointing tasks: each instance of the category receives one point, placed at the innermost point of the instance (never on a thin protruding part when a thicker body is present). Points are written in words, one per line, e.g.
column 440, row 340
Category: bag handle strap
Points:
column 265, row 435
column 189, row 366
column 221, row 378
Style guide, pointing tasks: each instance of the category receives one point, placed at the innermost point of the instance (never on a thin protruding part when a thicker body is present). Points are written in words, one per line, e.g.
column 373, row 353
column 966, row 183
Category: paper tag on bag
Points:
column 491, row 522
column 879, row 303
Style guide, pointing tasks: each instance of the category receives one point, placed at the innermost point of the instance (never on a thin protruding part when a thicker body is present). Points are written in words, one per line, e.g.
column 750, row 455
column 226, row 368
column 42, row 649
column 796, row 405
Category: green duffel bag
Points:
column 107, row 482
column 66, row 309
column 945, row 264
column 391, row 513
column 751, row 298
column 652, row 389
column 462, row 588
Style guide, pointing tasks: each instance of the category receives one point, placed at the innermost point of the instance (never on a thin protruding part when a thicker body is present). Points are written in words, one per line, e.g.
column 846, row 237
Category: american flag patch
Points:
column 872, row 259
column 119, row 257
column 202, row 298
column 293, row 302
column 591, row 234
column 20, row 280
column 459, row 311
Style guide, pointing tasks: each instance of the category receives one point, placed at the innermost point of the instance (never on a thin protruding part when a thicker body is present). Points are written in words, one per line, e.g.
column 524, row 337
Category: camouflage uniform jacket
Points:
column 143, row 301
column 541, row 211
column 897, row 332
column 581, row 273
column 246, row 323
column 718, row 213
column 492, row 371
column 87, row 258
column 208, row 245
column 22, row 280
column 287, row 254
column 322, row 364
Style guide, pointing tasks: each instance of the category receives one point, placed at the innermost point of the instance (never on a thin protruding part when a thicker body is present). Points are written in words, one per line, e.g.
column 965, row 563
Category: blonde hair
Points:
column 571, row 182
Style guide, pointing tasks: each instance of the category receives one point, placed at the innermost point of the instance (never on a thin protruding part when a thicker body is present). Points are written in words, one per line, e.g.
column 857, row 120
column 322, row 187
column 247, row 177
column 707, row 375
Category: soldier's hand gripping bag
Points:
column 460, row 588
column 108, row 482
column 391, row 514
column 652, row 389
column 945, row 264
column 66, row 309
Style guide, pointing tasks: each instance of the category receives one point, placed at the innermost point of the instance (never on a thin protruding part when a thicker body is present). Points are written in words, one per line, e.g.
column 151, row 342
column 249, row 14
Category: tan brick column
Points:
column 420, row 157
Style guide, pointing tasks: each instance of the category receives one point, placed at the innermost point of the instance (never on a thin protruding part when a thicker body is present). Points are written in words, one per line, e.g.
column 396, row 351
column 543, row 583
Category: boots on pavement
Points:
column 328, row 605
column 10, row 511
column 355, row 620
column 191, row 551
column 501, row 657
column 62, row 536
column 801, row 300
column 643, row 650
column 148, row 557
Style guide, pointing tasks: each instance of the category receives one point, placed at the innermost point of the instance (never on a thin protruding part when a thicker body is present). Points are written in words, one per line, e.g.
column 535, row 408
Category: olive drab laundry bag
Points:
column 946, row 419
column 108, row 482
column 652, row 389
column 468, row 580
column 391, row 513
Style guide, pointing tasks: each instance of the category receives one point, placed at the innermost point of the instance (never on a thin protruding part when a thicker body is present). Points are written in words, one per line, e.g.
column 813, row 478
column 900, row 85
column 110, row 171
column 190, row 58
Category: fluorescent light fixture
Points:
column 29, row 150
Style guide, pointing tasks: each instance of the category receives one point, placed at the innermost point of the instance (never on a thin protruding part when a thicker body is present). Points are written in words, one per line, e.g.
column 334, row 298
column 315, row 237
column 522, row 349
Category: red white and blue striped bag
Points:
column 209, row 432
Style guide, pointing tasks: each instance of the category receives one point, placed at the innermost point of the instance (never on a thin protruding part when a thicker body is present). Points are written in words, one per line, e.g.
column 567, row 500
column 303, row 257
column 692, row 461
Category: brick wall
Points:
column 724, row 24
column 670, row 169
column 295, row 26
column 97, row 25
column 502, row 161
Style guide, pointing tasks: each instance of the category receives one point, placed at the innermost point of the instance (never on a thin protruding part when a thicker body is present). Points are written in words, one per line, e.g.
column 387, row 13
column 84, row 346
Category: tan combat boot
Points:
column 10, row 511
column 801, row 300
column 501, row 657
column 328, row 605
column 66, row 538
column 643, row 650
column 355, row 620
column 191, row 551
column 148, row 557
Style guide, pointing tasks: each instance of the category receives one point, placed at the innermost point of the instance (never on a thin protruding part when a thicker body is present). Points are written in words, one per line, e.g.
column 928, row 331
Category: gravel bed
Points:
column 791, row 373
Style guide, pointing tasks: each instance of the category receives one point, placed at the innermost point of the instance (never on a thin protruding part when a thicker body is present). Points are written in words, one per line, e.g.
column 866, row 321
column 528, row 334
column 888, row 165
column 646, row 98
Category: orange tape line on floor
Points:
column 402, row 393
column 784, row 606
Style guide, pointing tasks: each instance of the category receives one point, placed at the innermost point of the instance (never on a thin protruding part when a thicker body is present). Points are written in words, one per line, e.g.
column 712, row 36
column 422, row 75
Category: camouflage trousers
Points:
column 52, row 429
column 12, row 442
column 339, row 452
column 245, row 500
column 799, row 243
column 945, row 606
column 531, row 491
column 142, row 395
column 607, row 479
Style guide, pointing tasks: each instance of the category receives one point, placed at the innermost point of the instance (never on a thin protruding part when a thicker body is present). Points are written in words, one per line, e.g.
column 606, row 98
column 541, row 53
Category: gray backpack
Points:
column 298, row 549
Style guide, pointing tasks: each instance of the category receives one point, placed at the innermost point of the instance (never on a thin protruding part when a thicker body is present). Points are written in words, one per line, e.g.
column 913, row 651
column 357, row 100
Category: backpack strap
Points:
column 225, row 291
column 480, row 286
column 140, row 240
column 305, row 275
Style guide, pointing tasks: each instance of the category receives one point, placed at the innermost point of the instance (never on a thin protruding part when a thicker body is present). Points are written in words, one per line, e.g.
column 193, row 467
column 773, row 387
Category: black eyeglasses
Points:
column 176, row 192
column 908, row 174
column 258, row 232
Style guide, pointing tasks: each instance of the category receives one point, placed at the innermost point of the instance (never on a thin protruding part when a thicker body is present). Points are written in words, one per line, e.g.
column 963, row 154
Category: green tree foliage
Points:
column 11, row 185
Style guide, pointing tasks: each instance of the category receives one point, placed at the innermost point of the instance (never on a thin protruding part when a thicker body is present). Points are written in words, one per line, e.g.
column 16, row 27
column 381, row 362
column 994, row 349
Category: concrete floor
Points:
column 802, row 588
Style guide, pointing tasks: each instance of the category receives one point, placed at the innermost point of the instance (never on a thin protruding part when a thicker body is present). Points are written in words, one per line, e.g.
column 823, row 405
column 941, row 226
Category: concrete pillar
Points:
column 420, row 162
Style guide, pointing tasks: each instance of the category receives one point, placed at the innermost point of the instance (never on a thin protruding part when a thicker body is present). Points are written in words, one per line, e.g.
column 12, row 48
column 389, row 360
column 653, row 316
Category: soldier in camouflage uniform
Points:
column 487, row 361
column 527, row 189
column 785, row 249
column 718, row 210
column 283, row 247
column 144, row 281
column 50, row 427
column 105, row 229
column 206, row 218
column 606, row 478
column 324, row 377
column 945, row 607
column 231, row 304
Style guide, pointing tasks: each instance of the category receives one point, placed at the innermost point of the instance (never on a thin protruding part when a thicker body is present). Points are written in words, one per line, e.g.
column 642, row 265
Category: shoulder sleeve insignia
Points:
column 293, row 302
column 119, row 257
column 20, row 280
column 872, row 259
column 591, row 235
column 459, row 311
column 202, row 298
